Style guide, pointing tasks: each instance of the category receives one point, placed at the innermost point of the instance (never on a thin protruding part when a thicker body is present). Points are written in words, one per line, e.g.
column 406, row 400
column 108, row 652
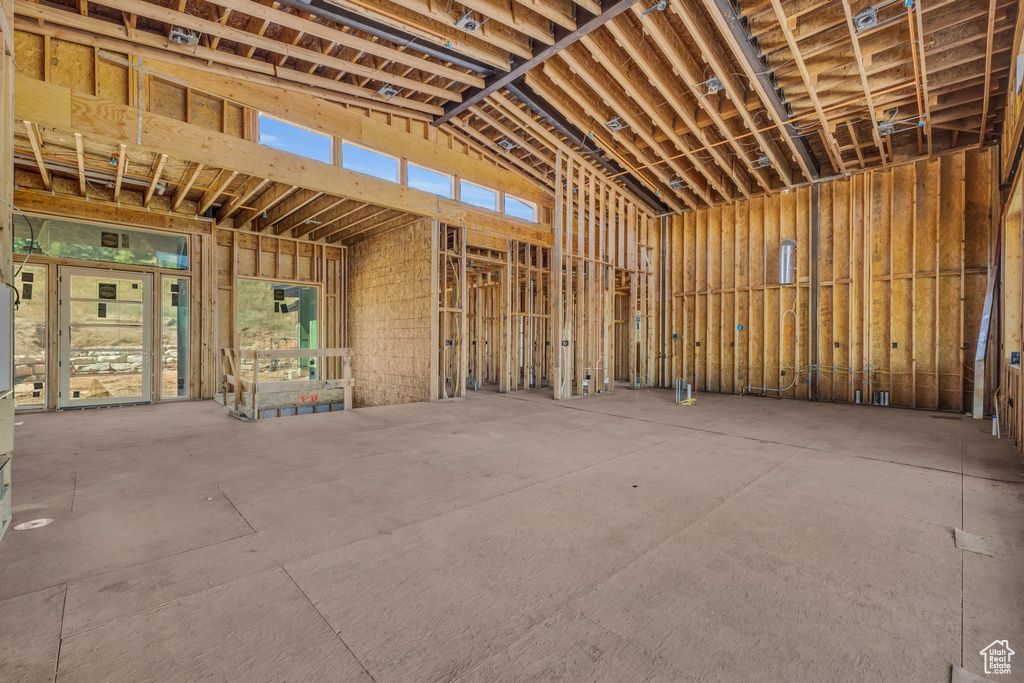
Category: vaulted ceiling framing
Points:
column 714, row 100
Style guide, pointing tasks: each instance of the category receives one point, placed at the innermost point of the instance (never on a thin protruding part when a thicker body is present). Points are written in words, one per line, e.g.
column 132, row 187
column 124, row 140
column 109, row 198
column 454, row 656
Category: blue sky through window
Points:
column 478, row 196
column 364, row 161
column 519, row 209
column 429, row 181
column 289, row 138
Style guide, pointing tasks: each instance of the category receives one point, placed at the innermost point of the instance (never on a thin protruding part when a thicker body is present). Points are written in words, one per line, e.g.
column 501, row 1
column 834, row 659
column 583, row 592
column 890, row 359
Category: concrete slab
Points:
column 48, row 496
column 934, row 450
column 993, row 587
column 569, row 647
column 30, row 625
column 104, row 535
column 875, row 485
column 617, row 537
column 257, row 629
column 407, row 608
column 851, row 594
column 100, row 599
column 336, row 513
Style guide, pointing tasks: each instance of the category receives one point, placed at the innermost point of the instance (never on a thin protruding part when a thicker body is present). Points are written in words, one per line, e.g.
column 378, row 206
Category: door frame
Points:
column 64, row 336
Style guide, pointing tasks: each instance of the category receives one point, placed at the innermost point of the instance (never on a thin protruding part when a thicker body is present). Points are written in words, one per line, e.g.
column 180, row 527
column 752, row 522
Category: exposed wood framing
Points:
column 80, row 157
column 604, row 244
column 158, row 168
column 37, row 149
column 899, row 281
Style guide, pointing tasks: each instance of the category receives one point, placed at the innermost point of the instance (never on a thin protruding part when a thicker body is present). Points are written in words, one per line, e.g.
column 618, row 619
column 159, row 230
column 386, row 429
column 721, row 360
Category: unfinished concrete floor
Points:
column 615, row 538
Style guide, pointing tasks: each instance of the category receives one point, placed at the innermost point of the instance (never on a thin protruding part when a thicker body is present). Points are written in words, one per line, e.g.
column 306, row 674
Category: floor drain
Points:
column 34, row 524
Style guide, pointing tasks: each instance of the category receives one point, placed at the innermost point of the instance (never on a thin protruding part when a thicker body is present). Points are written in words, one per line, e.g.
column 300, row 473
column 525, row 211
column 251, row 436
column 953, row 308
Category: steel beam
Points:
column 586, row 22
column 326, row 10
column 765, row 85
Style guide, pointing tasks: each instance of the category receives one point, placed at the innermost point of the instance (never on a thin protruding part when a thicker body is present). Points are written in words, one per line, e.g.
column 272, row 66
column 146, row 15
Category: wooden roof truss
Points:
column 712, row 107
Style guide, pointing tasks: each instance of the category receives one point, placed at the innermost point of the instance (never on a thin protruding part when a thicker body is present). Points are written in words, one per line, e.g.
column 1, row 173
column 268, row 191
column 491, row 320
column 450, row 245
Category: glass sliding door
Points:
column 173, row 337
column 30, row 337
column 106, row 337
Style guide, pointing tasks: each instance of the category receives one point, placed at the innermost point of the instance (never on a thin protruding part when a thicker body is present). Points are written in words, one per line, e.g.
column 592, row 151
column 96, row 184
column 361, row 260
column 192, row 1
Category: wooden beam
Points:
column 187, row 181
column 506, row 15
column 731, row 28
column 93, row 208
column 331, row 119
column 80, row 157
column 502, row 103
column 266, row 201
column 37, row 149
column 864, row 82
column 169, row 16
column 346, row 208
column 735, row 91
column 308, row 214
column 925, row 96
column 463, row 126
column 654, row 166
column 430, row 21
column 122, row 163
column 794, row 49
column 106, row 121
column 158, row 168
column 245, row 193
column 282, row 210
column 276, row 15
column 423, row 34
column 479, row 142
column 577, row 140
column 654, row 110
column 609, row 10
column 365, row 220
column 396, row 223
column 90, row 31
column 217, row 188
column 986, row 93
column 354, row 215
column 622, row 30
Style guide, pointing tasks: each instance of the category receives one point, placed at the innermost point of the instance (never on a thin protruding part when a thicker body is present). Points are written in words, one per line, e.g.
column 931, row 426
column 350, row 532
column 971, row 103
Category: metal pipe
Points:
column 787, row 262
column 795, row 372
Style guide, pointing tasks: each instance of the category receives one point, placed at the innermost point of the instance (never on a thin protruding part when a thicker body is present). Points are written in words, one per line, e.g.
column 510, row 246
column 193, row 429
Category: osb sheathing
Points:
column 389, row 315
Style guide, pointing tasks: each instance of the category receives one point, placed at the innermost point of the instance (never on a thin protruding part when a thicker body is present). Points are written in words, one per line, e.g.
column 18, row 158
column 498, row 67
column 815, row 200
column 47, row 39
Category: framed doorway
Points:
column 105, row 346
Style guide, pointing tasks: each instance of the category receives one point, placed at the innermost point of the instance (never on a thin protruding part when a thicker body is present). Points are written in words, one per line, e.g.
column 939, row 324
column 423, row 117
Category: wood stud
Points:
column 898, row 280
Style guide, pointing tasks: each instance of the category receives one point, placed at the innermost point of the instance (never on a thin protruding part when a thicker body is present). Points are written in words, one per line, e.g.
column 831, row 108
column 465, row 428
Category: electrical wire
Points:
column 31, row 233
